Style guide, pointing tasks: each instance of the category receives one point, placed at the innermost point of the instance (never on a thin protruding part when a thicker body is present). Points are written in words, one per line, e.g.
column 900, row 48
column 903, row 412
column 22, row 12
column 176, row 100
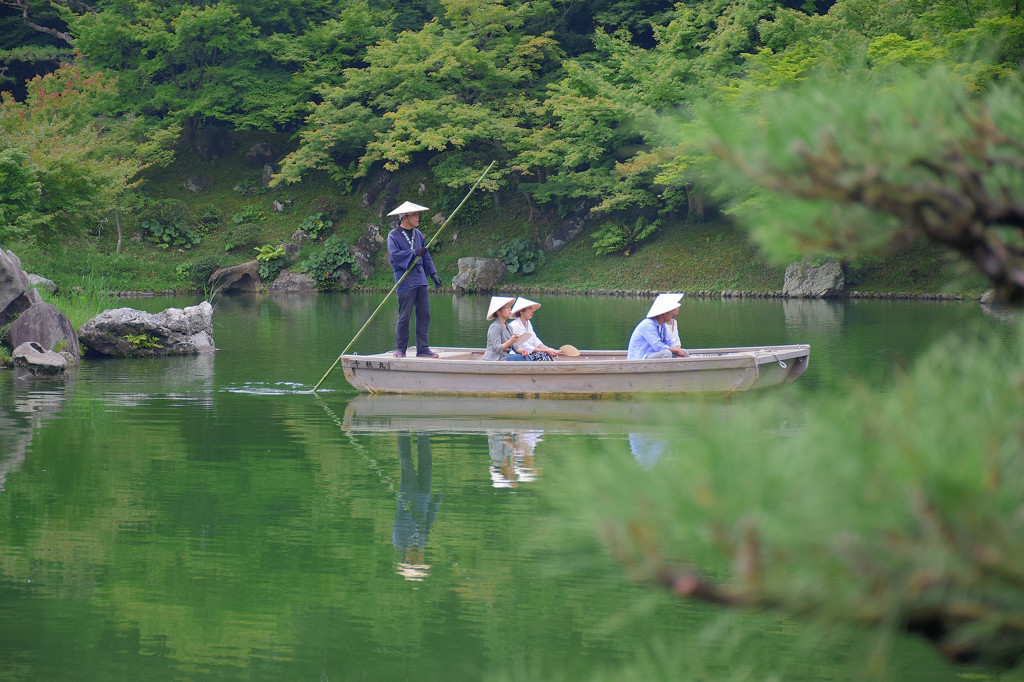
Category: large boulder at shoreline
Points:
column 293, row 283
column 175, row 331
column 40, row 362
column 804, row 280
column 244, row 277
column 15, row 289
column 479, row 274
column 47, row 326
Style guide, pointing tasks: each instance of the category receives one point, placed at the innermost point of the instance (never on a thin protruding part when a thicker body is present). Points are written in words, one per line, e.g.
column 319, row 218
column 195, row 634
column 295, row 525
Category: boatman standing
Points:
column 407, row 251
column 651, row 339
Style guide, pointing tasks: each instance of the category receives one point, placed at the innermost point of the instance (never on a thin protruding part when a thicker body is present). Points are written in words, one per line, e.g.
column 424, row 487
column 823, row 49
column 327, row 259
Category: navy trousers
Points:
column 407, row 300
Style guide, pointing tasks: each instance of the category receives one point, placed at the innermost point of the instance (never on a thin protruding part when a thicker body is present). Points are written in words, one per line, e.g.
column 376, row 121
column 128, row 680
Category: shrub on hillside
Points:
column 246, row 235
column 330, row 207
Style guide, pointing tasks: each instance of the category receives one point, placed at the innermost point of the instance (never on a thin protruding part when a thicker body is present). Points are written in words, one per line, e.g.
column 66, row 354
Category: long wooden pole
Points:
column 402, row 279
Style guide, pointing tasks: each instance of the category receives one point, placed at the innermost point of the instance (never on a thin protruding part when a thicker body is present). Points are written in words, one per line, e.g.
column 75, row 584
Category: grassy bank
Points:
column 711, row 256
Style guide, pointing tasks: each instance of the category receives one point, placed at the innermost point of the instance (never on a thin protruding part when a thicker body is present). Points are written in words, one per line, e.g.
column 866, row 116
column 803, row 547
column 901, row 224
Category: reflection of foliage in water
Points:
column 897, row 510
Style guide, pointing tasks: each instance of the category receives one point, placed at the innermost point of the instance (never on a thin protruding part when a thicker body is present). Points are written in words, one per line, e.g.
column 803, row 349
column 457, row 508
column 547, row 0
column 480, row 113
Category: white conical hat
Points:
column 497, row 303
column 664, row 303
column 408, row 207
column 523, row 303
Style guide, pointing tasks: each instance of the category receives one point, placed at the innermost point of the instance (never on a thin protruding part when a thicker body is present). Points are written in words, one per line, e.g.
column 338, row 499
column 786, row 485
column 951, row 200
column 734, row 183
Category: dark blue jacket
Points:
column 402, row 255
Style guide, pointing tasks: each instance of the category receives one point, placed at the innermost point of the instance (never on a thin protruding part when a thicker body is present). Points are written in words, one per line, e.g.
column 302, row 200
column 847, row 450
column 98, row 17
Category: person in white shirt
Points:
column 528, row 344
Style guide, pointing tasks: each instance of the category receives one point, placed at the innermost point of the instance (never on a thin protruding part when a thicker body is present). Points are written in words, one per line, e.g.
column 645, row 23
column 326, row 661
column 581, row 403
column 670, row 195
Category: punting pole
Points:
column 413, row 264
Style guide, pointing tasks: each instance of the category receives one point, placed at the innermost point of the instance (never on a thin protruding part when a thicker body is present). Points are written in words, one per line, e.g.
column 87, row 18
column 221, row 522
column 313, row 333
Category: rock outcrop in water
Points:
column 126, row 332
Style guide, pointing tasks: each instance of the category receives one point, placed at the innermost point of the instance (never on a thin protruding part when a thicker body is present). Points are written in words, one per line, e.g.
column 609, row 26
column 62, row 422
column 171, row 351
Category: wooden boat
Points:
column 593, row 374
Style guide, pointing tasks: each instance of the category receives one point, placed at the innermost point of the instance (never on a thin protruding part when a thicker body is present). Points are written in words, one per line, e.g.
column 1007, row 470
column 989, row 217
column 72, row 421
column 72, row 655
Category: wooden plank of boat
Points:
column 593, row 374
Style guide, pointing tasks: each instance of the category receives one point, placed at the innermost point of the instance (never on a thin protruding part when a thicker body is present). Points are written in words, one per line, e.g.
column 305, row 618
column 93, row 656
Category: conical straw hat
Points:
column 497, row 303
column 664, row 303
column 408, row 207
column 522, row 303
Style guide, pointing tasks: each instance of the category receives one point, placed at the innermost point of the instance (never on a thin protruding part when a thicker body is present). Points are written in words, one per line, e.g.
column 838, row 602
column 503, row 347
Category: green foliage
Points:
column 142, row 341
column 202, row 268
column 91, row 295
column 519, row 255
column 271, row 259
column 63, row 166
column 180, row 234
column 622, row 238
column 315, row 225
column 250, row 186
column 872, row 160
column 244, row 235
column 326, row 264
column 327, row 206
column 20, row 194
column 880, row 509
column 250, row 213
column 208, row 217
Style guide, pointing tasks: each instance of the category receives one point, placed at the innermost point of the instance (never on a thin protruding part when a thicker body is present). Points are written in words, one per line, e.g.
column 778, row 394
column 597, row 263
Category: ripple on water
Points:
column 269, row 388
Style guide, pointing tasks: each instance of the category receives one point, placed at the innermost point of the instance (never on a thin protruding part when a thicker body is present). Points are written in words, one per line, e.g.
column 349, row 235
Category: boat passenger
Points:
column 529, row 344
column 499, row 337
column 650, row 339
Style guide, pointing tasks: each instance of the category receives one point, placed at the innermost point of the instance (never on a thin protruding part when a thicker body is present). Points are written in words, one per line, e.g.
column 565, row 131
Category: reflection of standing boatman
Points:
column 408, row 252
column 417, row 508
column 651, row 338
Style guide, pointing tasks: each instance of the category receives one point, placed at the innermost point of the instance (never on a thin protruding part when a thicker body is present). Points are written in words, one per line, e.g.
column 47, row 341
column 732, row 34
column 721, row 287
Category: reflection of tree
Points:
column 417, row 508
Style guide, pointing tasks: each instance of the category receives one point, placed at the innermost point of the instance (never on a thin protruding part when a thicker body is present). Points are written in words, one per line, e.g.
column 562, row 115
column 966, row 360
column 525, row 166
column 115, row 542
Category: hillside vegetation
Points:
column 841, row 129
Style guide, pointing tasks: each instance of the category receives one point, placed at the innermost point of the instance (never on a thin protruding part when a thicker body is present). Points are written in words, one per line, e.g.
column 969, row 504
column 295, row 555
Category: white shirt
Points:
column 528, row 340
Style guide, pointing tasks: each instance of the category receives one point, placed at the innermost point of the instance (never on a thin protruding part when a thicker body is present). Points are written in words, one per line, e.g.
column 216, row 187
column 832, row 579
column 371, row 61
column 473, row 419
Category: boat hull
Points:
column 594, row 374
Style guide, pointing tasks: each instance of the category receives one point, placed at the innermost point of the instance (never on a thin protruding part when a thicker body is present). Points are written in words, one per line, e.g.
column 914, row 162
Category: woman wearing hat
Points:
column 529, row 344
column 499, row 337
column 408, row 252
column 650, row 339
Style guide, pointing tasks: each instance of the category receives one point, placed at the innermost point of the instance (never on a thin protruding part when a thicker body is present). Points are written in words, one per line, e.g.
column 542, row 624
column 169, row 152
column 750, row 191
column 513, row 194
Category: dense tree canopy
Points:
column 581, row 104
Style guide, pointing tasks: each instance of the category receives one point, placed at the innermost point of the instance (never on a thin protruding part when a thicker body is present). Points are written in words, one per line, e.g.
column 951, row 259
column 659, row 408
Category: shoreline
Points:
column 620, row 293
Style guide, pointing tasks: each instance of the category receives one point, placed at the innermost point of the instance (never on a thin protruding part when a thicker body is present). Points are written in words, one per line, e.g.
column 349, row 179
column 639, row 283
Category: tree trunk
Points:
column 117, row 221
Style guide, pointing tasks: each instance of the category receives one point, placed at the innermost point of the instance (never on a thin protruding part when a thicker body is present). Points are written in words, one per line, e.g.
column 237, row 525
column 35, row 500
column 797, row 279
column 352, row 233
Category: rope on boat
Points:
column 411, row 266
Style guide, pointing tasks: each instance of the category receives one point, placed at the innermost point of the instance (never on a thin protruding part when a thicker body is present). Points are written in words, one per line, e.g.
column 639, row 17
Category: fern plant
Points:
column 623, row 238
column 271, row 260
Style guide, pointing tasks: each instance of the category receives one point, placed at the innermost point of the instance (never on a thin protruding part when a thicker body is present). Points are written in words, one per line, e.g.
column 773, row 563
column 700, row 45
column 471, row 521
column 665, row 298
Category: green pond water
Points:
column 208, row 518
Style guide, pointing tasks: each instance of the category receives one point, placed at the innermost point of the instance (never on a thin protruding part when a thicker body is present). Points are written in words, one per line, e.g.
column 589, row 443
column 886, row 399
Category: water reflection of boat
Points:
column 594, row 374
column 456, row 414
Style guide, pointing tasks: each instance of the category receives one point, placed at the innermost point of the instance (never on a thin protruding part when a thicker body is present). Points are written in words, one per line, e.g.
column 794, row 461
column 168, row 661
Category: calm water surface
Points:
column 208, row 518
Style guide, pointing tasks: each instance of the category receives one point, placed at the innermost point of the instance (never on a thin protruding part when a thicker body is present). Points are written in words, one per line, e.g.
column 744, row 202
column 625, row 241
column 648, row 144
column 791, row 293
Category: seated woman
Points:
column 528, row 344
column 499, row 337
column 651, row 338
